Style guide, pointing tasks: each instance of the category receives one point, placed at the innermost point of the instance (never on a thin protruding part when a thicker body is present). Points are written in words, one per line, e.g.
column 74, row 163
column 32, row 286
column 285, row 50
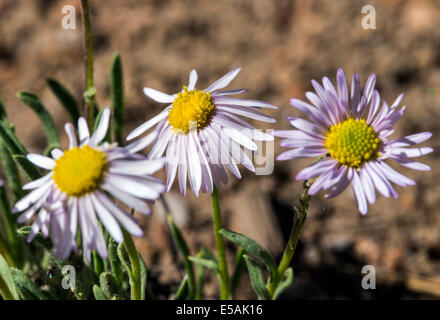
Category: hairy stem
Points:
column 300, row 215
column 223, row 265
column 88, row 48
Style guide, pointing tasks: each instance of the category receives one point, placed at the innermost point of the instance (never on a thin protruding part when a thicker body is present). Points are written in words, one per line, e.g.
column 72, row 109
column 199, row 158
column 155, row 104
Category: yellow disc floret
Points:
column 191, row 109
column 352, row 142
column 79, row 170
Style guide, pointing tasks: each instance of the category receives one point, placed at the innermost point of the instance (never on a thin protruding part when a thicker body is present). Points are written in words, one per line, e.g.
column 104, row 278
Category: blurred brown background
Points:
column 281, row 45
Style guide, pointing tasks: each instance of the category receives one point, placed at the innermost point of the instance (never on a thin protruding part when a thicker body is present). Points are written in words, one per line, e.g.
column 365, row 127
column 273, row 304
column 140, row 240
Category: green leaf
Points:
column 99, row 293
column 30, row 171
column 11, row 172
column 240, row 266
column 66, row 99
column 285, row 282
column 115, row 263
column 183, row 291
column 200, row 278
column 27, row 289
column 184, row 251
column 123, row 257
column 109, row 285
column 252, row 248
column 257, row 279
column 3, row 116
column 212, row 265
column 7, row 286
column 143, row 276
column 11, row 141
column 117, row 95
column 46, row 119
column 98, row 263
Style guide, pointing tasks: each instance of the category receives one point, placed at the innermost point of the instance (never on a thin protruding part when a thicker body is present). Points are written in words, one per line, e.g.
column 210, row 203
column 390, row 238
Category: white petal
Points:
column 147, row 125
column 192, row 79
column 359, row 194
column 56, row 153
column 159, row 96
column 129, row 200
column 102, row 128
column 223, row 81
column 31, row 198
column 126, row 220
column 41, row 161
column 137, row 167
column 194, row 169
column 242, row 102
column 38, row 183
column 136, row 186
column 70, row 130
column 83, row 131
column 246, row 112
column 107, row 219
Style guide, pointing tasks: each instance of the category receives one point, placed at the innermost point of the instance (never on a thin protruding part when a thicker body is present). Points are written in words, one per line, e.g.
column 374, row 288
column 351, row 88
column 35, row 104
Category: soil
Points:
column 281, row 45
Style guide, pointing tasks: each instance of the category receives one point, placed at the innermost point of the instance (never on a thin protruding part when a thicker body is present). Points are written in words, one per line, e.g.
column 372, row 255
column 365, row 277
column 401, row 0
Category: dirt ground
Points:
column 281, row 45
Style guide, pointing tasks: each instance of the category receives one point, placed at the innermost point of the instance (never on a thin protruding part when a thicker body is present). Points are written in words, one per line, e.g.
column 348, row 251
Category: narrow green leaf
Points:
column 252, row 248
column 184, row 251
column 99, row 293
column 109, row 285
column 46, row 119
column 27, row 289
column 3, row 115
column 98, row 264
column 183, row 291
column 200, row 278
column 11, row 141
column 257, row 279
column 7, row 286
column 30, row 171
column 11, row 172
column 143, row 276
column 212, row 265
column 115, row 263
column 117, row 95
column 66, row 99
column 285, row 282
column 240, row 266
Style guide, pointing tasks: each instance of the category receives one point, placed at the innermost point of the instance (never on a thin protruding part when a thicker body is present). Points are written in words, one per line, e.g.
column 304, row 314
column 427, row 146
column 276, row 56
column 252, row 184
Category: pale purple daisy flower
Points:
column 351, row 133
column 203, row 134
column 79, row 188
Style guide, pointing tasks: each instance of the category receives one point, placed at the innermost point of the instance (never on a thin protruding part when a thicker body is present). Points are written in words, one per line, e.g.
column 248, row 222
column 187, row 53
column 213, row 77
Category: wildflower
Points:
column 353, row 137
column 202, row 133
column 78, row 190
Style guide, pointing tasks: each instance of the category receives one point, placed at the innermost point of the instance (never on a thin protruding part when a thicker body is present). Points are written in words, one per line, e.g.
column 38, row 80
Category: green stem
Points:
column 88, row 46
column 135, row 266
column 223, row 265
column 300, row 215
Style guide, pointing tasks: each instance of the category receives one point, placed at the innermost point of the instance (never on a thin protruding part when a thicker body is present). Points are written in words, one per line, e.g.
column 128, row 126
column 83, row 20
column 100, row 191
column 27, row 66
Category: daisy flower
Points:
column 353, row 137
column 79, row 188
column 203, row 134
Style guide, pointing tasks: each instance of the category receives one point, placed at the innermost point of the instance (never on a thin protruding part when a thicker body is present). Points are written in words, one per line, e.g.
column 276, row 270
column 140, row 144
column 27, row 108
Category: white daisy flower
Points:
column 79, row 188
column 203, row 134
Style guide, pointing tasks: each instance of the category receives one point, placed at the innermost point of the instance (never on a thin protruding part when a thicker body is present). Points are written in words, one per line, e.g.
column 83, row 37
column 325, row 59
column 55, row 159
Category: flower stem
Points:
column 135, row 266
column 88, row 47
column 300, row 215
column 223, row 265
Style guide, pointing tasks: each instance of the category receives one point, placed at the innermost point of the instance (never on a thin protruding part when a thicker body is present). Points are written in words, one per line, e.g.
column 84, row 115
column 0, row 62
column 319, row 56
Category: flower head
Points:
column 78, row 187
column 352, row 136
column 202, row 133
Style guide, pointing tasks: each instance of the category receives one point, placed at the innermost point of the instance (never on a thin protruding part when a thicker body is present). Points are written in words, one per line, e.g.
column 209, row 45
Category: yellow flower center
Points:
column 79, row 170
column 191, row 110
column 352, row 142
